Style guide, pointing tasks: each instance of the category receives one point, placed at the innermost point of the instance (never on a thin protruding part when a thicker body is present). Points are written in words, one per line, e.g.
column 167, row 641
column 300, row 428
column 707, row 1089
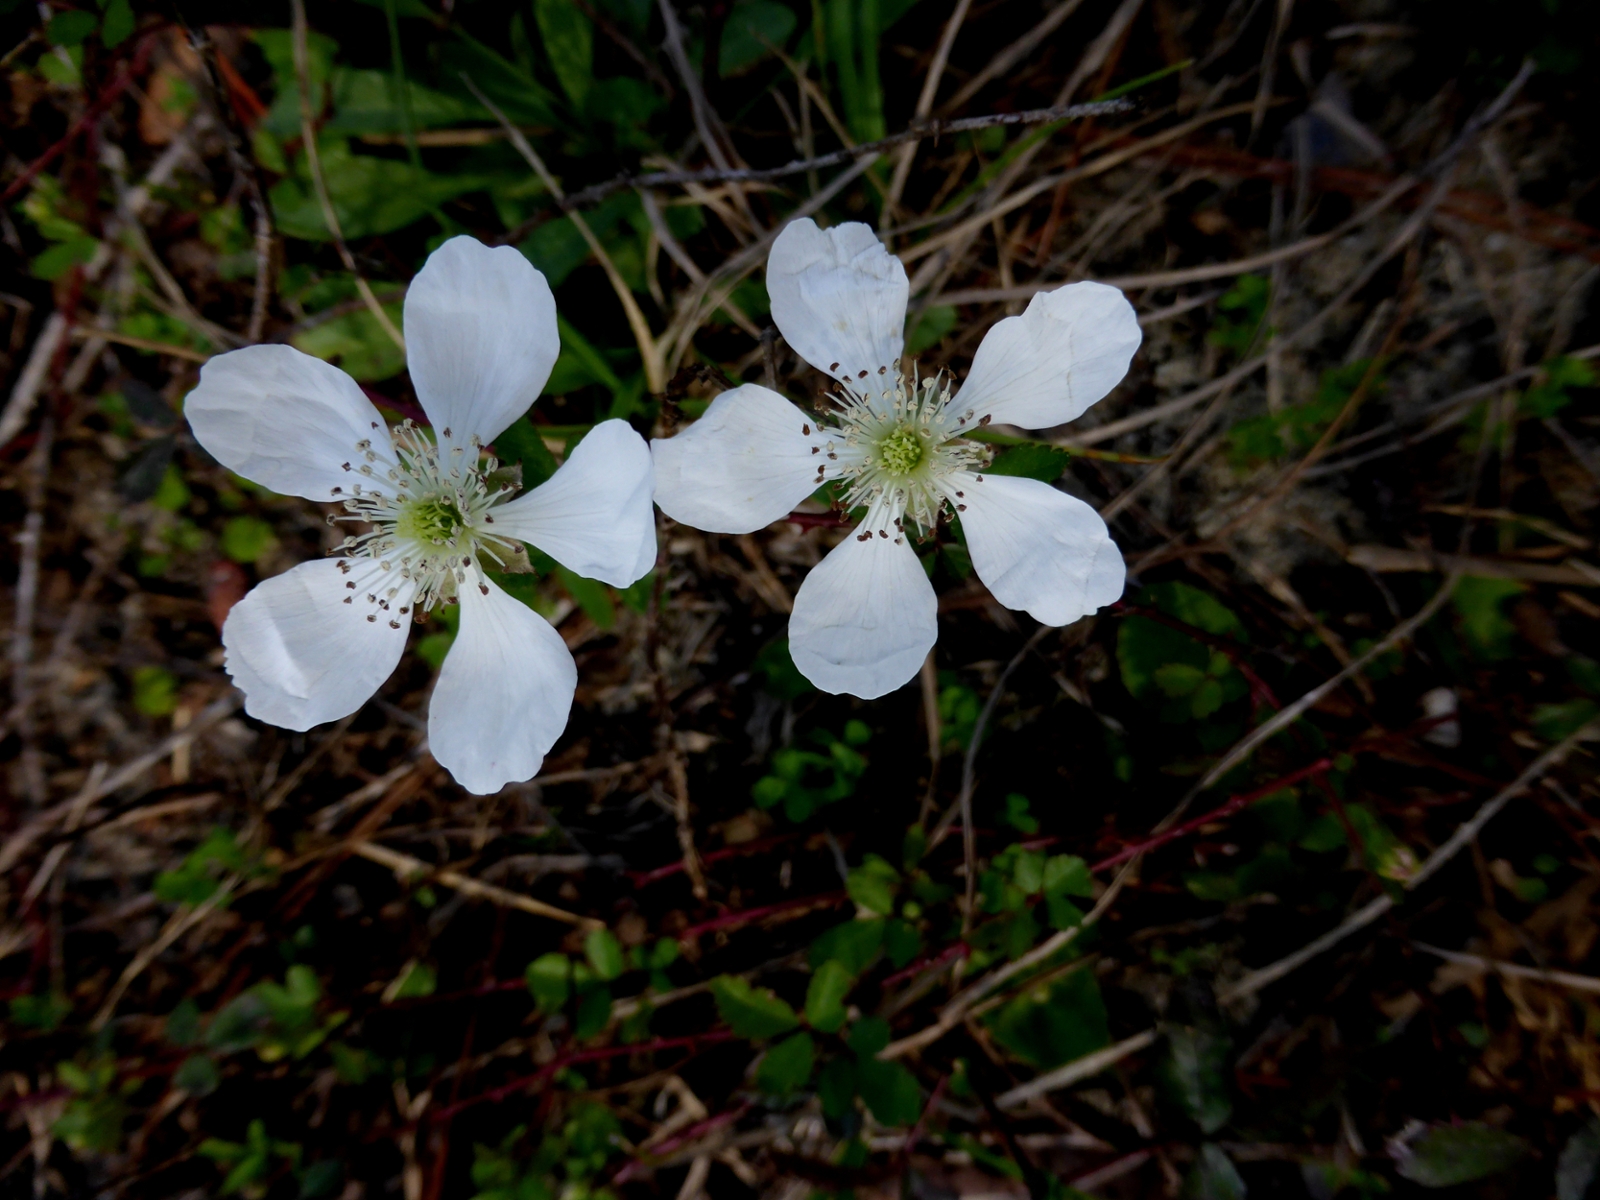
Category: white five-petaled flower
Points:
column 866, row 616
column 314, row 643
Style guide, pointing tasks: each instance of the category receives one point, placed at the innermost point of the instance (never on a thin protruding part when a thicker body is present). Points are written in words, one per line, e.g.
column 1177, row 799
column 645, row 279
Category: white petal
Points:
column 866, row 616
column 480, row 338
column 1041, row 369
column 1039, row 549
column 284, row 420
column 746, row 463
column 593, row 515
column 503, row 694
column 301, row 655
column 839, row 298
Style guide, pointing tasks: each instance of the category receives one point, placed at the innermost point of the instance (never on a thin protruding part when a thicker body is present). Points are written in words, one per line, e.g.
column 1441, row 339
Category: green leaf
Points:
column 356, row 343
column 1048, row 1025
column 569, row 45
column 787, row 1065
column 55, row 262
column 1213, row 1177
column 890, row 1091
column 1194, row 1075
column 1553, row 722
column 118, row 24
column 933, row 326
column 830, row 984
column 873, row 884
column 519, row 95
column 592, row 596
column 1447, row 1155
column 522, row 443
column 751, row 1012
column 594, row 1012
column 1068, row 875
column 836, row 1087
column 1196, row 607
column 44, row 1013
column 69, row 28
column 1033, row 461
column 197, row 1075
column 370, row 195
column 155, row 691
column 417, row 979
column 902, row 941
column 549, row 979
column 604, row 953
column 778, row 673
column 853, row 945
column 753, row 28
column 868, row 1036
column 1478, row 603
column 246, row 539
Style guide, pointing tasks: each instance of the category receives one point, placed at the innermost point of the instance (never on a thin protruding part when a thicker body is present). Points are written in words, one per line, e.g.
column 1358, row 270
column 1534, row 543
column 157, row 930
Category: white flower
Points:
column 865, row 618
column 314, row 643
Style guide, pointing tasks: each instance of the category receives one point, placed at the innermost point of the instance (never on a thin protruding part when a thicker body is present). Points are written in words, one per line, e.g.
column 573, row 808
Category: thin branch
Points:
column 411, row 868
column 934, row 128
column 930, row 89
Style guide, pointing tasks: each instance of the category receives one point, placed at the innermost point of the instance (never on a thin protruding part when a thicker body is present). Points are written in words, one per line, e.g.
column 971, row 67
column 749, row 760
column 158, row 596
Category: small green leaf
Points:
column 901, row 941
column 522, row 443
column 415, row 979
column 751, row 1012
column 891, row 1091
column 1447, row 1155
column 549, row 979
column 868, row 1036
column 592, row 596
column 830, row 984
column 118, row 24
column 787, row 1065
column 197, row 1075
column 155, row 691
column 594, row 1011
column 69, row 28
column 357, row 343
column 246, row 539
column 569, row 45
column 44, row 1013
column 1478, row 602
column 1032, row 461
column 873, row 884
column 604, row 953
column 1067, row 874
column 853, row 944
column 836, row 1087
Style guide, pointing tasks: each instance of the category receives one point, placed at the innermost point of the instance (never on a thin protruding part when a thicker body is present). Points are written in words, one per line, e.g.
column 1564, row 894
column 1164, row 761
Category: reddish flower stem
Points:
column 641, row 878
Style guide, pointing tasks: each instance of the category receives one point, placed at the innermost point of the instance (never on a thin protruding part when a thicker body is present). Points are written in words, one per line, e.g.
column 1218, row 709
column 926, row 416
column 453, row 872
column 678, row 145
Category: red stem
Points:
column 1227, row 810
column 89, row 117
column 745, row 916
column 641, row 878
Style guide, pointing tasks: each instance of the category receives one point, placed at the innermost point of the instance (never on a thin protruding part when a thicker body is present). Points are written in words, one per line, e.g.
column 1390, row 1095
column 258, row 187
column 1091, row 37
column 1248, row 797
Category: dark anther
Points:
column 835, row 367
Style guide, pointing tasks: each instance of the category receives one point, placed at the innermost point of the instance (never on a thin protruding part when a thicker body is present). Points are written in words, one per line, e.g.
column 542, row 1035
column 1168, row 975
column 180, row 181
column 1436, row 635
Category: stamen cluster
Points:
column 900, row 449
column 428, row 527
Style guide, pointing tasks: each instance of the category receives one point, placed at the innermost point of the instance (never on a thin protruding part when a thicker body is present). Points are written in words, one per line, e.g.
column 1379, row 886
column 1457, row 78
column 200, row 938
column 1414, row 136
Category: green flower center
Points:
column 901, row 451
column 432, row 521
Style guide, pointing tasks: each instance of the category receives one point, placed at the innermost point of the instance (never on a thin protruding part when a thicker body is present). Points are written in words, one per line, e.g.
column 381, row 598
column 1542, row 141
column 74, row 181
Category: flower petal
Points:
column 303, row 656
column 284, row 420
column 593, row 515
column 503, row 694
column 480, row 338
column 1039, row 549
column 746, row 463
column 866, row 616
column 839, row 298
column 1044, row 368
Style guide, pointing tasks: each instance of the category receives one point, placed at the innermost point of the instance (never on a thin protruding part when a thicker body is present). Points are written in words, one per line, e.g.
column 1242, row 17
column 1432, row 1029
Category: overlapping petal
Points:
column 1066, row 351
column 743, row 465
column 302, row 655
column 866, row 616
column 593, row 515
column 839, row 298
column 503, row 694
column 1038, row 549
column 481, row 338
column 284, row 420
